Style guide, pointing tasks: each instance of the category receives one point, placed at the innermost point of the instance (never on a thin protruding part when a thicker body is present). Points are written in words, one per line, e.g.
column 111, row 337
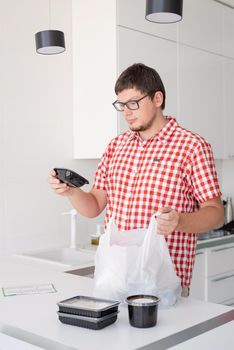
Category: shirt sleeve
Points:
column 203, row 174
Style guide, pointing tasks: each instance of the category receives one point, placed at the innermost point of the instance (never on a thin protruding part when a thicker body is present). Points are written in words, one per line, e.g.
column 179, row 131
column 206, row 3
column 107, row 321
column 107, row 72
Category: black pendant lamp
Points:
column 164, row 11
column 50, row 42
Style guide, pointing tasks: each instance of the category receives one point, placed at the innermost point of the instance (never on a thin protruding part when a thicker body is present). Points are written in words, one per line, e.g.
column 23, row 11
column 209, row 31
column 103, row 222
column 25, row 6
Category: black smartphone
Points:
column 70, row 177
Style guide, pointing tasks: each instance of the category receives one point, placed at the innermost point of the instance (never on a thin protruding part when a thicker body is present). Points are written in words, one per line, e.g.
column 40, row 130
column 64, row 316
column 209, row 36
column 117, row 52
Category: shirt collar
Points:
column 163, row 135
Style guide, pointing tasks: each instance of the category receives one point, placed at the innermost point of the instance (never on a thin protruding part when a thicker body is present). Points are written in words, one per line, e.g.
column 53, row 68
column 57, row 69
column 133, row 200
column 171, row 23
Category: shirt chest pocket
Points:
column 168, row 168
column 164, row 173
column 166, row 184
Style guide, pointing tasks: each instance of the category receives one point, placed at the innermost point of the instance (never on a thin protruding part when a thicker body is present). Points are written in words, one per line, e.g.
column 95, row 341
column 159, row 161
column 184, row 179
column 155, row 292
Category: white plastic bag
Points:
column 135, row 262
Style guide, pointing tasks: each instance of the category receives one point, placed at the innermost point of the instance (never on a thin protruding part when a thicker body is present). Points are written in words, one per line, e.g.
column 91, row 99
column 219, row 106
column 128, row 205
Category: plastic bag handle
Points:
column 151, row 231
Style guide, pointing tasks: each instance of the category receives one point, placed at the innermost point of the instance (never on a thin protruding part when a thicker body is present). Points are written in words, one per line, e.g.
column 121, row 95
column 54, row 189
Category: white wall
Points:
column 35, row 128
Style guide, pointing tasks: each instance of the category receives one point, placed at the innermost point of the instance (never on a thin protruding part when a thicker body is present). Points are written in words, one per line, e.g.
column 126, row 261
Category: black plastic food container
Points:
column 88, row 322
column 88, row 306
column 142, row 310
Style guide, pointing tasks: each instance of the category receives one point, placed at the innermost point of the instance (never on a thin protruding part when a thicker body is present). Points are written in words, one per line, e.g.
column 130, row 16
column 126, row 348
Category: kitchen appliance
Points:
column 228, row 211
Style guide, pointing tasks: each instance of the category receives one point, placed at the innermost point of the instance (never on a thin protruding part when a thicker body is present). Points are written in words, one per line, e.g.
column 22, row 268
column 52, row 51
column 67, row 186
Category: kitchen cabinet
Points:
column 94, row 74
column 220, row 274
column 198, row 280
column 228, row 112
column 227, row 32
column 201, row 26
column 220, row 289
column 213, row 276
column 201, row 98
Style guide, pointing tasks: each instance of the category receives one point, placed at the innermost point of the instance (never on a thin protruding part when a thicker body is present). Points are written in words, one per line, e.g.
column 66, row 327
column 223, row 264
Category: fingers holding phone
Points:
column 64, row 181
column 58, row 186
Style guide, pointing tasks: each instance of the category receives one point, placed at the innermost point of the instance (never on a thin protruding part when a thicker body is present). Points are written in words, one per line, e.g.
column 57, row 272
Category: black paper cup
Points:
column 142, row 310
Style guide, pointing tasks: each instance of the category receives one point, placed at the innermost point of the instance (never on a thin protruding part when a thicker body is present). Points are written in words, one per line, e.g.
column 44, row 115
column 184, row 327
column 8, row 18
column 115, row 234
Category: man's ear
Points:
column 158, row 98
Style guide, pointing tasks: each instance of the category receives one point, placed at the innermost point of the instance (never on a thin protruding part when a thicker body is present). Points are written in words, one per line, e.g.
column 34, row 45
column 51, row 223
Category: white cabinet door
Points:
column 94, row 75
column 228, row 31
column 131, row 14
column 228, row 80
column 155, row 52
column 220, row 288
column 201, row 96
column 220, row 260
column 201, row 25
column 197, row 289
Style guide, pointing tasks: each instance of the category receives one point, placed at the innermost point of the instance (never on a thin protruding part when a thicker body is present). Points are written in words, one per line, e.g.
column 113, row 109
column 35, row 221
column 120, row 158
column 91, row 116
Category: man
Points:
column 156, row 167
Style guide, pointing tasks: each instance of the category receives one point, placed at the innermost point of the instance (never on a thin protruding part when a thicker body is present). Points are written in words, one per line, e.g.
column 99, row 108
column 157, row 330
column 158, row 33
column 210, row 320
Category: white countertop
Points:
column 57, row 261
column 33, row 318
column 221, row 337
column 206, row 243
column 9, row 343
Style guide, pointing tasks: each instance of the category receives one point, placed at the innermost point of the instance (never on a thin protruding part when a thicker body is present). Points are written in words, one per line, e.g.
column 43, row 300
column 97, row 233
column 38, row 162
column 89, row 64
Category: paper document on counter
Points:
column 30, row 289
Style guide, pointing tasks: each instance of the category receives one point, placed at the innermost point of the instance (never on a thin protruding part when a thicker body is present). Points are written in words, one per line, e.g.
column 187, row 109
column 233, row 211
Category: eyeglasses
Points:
column 131, row 104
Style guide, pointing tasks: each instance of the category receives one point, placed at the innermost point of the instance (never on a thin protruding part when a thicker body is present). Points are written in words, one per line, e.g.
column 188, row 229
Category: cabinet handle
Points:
column 222, row 278
column 220, row 249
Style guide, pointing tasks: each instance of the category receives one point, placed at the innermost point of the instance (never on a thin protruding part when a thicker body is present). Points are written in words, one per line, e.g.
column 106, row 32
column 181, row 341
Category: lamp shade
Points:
column 50, row 42
column 164, row 11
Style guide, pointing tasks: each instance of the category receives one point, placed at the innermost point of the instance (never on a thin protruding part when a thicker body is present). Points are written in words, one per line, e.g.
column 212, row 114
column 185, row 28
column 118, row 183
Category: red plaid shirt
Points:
column 175, row 168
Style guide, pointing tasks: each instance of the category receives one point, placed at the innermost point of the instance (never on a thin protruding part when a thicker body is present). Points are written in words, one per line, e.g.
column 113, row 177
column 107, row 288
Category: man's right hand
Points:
column 60, row 187
column 89, row 204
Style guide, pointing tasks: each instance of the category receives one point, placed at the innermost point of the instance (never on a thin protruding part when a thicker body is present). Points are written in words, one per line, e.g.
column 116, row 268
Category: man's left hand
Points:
column 167, row 220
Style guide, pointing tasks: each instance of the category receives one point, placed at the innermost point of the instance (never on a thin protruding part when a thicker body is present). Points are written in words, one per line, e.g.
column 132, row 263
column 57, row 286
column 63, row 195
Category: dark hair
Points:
column 142, row 78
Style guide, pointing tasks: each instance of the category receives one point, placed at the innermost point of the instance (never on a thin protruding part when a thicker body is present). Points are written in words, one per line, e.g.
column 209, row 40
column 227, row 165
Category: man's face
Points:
column 140, row 119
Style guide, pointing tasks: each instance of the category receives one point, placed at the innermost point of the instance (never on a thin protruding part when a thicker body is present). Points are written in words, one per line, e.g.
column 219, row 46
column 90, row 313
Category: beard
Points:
column 143, row 127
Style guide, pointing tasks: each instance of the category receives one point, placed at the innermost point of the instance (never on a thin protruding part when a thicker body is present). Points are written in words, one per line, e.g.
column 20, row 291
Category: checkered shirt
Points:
column 175, row 168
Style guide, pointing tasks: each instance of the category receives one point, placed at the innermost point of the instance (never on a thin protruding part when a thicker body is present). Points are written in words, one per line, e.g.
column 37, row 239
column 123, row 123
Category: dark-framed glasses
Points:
column 131, row 104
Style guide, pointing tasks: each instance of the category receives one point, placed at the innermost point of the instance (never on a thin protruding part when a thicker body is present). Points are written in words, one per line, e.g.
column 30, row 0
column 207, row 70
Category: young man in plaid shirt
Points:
column 157, row 167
